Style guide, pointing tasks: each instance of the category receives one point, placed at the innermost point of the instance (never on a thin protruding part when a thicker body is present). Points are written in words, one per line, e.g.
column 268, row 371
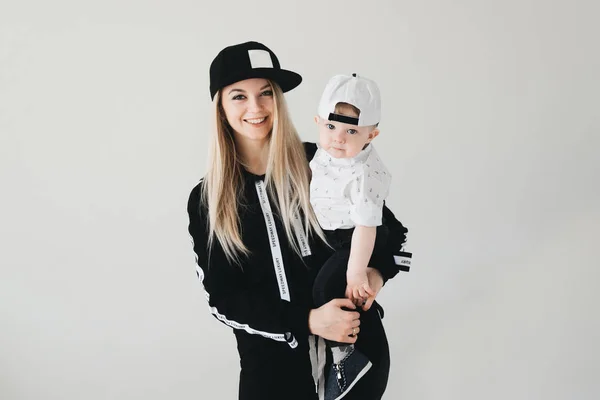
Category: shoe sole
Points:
column 360, row 375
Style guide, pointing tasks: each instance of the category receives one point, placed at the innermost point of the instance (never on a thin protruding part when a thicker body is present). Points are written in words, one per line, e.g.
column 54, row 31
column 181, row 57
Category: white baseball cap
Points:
column 358, row 91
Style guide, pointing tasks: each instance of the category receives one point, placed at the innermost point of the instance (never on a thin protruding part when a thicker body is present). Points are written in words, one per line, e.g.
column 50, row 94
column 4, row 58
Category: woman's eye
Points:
column 239, row 97
column 352, row 131
column 267, row 93
column 330, row 126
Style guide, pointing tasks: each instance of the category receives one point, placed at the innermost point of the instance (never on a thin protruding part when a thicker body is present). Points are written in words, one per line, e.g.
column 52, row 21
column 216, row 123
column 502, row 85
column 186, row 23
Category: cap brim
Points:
column 287, row 80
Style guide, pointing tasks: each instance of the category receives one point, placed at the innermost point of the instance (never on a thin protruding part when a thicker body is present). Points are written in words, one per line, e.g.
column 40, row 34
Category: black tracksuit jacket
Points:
column 266, row 299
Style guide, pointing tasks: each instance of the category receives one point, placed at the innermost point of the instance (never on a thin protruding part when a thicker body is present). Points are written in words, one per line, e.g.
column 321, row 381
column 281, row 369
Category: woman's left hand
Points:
column 376, row 283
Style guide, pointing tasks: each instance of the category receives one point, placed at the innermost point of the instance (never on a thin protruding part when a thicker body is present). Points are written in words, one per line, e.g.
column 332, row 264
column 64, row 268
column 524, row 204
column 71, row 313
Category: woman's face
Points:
column 248, row 107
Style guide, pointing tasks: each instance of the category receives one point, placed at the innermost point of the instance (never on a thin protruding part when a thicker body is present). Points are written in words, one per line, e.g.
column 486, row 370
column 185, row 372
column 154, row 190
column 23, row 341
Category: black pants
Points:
column 329, row 284
column 372, row 342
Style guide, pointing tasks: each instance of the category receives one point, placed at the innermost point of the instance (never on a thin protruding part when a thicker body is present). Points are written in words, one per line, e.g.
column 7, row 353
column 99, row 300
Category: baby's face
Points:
column 342, row 140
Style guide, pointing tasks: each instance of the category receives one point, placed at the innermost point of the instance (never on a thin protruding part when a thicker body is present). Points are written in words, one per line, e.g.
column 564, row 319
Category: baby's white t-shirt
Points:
column 346, row 192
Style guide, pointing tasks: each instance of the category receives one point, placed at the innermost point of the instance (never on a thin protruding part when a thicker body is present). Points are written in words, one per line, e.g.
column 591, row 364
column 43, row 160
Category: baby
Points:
column 348, row 188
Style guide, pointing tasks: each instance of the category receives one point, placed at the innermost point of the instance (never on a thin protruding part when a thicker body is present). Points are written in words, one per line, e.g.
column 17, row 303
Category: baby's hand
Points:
column 358, row 289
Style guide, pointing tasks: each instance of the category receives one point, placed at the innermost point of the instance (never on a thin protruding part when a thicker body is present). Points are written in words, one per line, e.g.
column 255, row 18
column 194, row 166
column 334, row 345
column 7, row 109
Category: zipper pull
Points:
column 338, row 371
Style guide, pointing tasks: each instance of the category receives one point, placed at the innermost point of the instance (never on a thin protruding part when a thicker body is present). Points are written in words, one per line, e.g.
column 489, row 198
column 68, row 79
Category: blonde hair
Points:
column 287, row 180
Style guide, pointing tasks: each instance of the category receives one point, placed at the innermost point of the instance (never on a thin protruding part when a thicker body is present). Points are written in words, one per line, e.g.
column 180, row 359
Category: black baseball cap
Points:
column 249, row 60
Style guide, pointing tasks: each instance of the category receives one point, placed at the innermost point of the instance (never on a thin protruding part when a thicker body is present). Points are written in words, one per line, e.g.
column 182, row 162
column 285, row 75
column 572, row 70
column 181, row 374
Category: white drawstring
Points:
column 312, row 351
column 321, row 359
column 317, row 360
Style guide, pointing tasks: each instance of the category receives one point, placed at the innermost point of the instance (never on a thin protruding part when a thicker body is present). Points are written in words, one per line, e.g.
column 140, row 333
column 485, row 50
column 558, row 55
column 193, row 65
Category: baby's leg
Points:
column 348, row 365
column 372, row 342
column 330, row 282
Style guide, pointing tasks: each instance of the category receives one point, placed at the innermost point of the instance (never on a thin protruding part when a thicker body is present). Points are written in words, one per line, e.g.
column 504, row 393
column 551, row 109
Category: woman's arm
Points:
column 232, row 299
column 393, row 258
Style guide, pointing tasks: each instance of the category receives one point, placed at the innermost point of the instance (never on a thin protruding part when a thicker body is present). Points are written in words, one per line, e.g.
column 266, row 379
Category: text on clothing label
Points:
column 274, row 240
column 302, row 240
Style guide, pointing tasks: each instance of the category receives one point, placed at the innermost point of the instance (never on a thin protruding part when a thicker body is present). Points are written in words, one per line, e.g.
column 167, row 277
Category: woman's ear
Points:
column 317, row 119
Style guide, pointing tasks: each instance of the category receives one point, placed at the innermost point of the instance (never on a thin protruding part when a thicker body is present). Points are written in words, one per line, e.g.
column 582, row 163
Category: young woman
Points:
column 259, row 245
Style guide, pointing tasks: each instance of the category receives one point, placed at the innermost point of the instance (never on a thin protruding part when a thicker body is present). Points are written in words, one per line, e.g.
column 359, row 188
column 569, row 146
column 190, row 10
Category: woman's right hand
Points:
column 331, row 322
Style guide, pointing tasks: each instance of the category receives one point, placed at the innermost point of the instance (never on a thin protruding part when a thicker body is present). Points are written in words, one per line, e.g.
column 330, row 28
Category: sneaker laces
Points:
column 339, row 376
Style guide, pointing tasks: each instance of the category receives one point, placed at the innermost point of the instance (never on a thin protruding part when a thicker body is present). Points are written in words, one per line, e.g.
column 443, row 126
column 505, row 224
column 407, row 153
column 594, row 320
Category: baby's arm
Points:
column 363, row 241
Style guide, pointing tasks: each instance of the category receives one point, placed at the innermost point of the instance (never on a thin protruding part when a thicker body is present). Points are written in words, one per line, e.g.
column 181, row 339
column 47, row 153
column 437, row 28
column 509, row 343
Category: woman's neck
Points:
column 254, row 155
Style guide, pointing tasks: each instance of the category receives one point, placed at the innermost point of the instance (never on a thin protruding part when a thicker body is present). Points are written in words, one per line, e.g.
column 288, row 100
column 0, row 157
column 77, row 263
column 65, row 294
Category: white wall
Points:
column 491, row 126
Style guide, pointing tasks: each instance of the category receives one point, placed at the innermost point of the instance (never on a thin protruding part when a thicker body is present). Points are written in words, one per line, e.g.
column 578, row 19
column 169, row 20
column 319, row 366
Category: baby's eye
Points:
column 239, row 97
column 352, row 131
column 330, row 126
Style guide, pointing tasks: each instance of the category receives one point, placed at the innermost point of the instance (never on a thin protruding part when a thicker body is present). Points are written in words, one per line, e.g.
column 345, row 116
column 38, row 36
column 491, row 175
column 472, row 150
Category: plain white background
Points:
column 490, row 126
